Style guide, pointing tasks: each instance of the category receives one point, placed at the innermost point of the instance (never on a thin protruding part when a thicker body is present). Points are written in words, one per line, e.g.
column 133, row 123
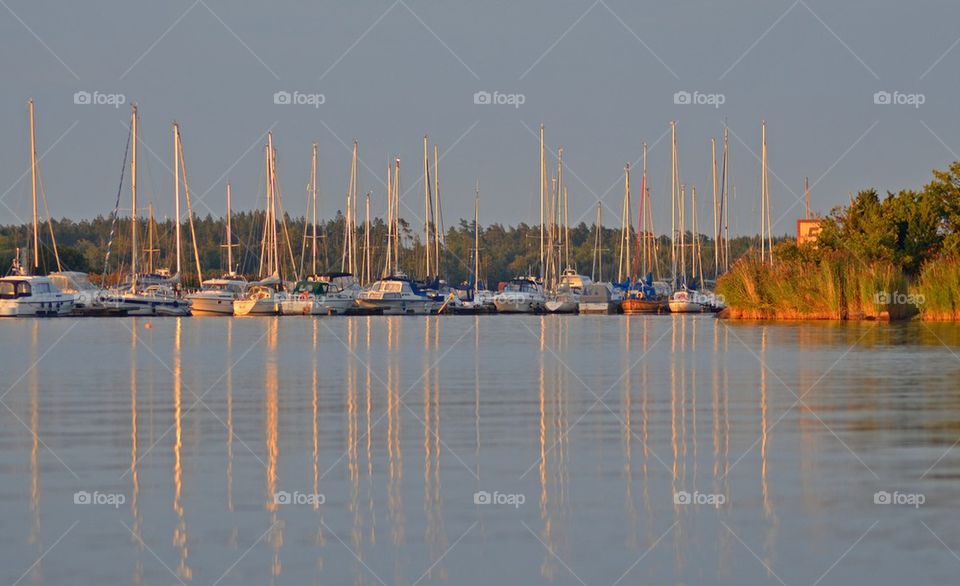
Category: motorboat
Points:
column 567, row 297
column 89, row 300
column 262, row 298
column 33, row 296
column 600, row 298
column 313, row 296
column 521, row 295
column 216, row 296
column 398, row 295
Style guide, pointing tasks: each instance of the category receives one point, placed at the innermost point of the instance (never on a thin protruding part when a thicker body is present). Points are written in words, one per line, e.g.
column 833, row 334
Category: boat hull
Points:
column 598, row 308
column 685, row 307
column 401, row 306
column 519, row 305
column 221, row 306
column 39, row 308
column 563, row 306
column 634, row 306
column 268, row 306
column 326, row 306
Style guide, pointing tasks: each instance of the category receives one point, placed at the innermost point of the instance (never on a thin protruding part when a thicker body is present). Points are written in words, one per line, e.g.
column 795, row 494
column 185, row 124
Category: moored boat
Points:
column 216, row 296
column 599, row 298
column 398, row 295
column 32, row 296
column 521, row 295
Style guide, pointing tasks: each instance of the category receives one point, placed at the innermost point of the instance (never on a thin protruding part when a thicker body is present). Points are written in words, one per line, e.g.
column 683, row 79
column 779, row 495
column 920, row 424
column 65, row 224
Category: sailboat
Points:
column 566, row 297
column 317, row 294
column 216, row 296
column 395, row 293
column 22, row 294
column 264, row 296
column 151, row 293
column 599, row 297
column 525, row 294
column 682, row 299
column 473, row 298
column 643, row 296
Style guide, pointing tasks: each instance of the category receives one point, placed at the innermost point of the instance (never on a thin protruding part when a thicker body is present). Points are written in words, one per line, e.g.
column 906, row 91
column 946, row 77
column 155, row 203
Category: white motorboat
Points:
column 89, row 300
column 567, row 297
column 398, row 295
column 262, row 298
column 521, row 295
column 216, row 296
column 313, row 296
column 31, row 296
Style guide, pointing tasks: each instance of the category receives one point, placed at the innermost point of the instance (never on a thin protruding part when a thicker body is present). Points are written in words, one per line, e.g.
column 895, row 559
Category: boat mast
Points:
column 229, row 234
column 427, row 208
column 716, row 218
column 641, row 220
column 186, row 190
column 150, row 235
column 437, row 217
column 313, row 192
column 543, row 171
column 625, row 225
column 176, row 191
column 766, row 238
column 683, row 255
column 366, row 243
column 725, row 200
column 33, row 179
column 476, row 236
column 674, row 194
column 133, row 197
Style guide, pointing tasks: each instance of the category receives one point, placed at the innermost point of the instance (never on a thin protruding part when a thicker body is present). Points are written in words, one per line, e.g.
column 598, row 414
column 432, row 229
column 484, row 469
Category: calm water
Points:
column 163, row 451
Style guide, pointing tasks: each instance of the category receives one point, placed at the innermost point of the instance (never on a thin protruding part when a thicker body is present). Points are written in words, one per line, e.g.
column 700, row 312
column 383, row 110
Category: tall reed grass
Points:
column 834, row 286
column 939, row 289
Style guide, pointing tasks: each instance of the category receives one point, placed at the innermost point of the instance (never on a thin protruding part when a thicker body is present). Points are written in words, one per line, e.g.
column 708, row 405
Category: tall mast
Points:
column 673, row 201
column 725, row 200
column 716, row 217
column 133, row 194
column 33, row 179
column 560, row 207
column 366, row 242
column 149, row 249
column 427, row 209
column 274, row 265
column 476, row 236
column 437, row 217
column 683, row 255
column 396, row 215
column 642, row 224
column 229, row 234
column 542, row 187
column 176, row 191
column 313, row 192
column 806, row 196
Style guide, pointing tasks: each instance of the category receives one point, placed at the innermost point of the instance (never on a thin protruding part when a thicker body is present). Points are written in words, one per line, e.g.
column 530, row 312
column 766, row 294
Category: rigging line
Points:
column 116, row 210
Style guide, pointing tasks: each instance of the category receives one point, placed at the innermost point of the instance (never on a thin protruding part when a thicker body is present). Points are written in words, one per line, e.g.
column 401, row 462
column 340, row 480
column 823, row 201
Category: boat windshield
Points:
column 8, row 290
column 311, row 287
column 515, row 286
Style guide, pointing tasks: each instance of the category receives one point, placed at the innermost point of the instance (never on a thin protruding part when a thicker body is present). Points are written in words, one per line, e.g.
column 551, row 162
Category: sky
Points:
column 603, row 76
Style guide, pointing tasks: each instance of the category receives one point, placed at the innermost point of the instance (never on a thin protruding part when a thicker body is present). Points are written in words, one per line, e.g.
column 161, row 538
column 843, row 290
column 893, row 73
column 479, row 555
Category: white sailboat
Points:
column 682, row 300
column 150, row 294
column 216, row 296
column 264, row 296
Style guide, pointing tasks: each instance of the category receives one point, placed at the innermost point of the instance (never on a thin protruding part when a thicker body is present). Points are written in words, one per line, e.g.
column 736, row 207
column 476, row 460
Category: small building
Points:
column 808, row 230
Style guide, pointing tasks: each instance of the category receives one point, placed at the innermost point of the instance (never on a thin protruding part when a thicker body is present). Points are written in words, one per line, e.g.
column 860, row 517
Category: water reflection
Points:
column 708, row 398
